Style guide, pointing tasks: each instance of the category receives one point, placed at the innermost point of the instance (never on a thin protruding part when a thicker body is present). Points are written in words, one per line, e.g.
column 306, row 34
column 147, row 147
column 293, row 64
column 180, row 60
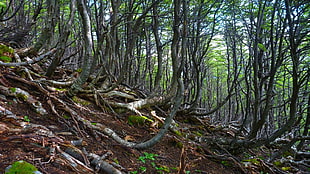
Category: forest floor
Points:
column 44, row 139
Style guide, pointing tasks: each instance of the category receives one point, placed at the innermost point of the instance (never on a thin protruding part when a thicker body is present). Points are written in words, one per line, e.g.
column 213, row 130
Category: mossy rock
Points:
column 21, row 167
column 5, row 49
column 136, row 120
column 6, row 53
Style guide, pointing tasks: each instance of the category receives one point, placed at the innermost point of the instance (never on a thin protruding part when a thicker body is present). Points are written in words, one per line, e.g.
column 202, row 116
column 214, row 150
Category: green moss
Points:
column 278, row 163
column 198, row 133
column 253, row 161
column 13, row 90
column 179, row 145
column 5, row 49
column 178, row 133
column 5, row 59
column 22, row 96
column 287, row 153
column 80, row 101
column 60, row 89
column 79, row 70
column 119, row 110
column 138, row 120
column 6, row 53
column 286, row 168
column 21, row 167
column 66, row 117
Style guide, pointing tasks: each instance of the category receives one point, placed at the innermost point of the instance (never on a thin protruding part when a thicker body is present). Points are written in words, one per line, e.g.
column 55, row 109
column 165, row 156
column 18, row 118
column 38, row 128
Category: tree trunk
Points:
column 88, row 45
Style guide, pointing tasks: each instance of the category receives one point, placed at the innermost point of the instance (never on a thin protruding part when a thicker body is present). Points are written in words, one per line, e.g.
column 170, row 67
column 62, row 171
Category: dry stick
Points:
column 26, row 69
column 103, row 165
column 32, row 61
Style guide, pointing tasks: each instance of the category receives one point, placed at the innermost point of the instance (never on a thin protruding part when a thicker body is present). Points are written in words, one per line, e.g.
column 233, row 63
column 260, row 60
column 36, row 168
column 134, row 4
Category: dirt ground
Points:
column 17, row 144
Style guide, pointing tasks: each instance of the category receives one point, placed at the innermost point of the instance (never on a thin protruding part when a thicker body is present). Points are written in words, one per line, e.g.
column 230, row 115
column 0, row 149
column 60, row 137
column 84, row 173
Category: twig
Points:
column 32, row 61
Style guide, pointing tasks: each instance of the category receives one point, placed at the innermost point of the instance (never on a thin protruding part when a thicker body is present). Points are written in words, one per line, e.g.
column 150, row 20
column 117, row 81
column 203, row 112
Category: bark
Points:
column 293, row 46
column 64, row 34
column 35, row 60
column 47, row 32
column 88, row 45
column 159, row 49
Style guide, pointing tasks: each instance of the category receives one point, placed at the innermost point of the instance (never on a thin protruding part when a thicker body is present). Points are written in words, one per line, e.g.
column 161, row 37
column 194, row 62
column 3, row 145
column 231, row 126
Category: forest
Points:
column 155, row 86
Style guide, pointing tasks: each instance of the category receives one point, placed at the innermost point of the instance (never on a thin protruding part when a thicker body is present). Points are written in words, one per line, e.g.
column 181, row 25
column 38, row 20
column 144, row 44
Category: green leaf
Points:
column 26, row 118
column 5, row 59
column 2, row 5
column 261, row 46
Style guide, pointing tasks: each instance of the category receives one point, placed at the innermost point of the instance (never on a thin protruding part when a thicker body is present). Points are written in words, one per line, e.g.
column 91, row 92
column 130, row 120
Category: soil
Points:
column 182, row 153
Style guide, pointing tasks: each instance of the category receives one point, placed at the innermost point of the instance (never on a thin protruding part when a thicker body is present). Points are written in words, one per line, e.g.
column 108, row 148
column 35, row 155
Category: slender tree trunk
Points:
column 88, row 54
column 63, row 38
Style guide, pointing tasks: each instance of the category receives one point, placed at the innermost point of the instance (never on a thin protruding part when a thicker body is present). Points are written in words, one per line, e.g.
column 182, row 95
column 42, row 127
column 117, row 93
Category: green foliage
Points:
column 116, row 160
column 225, row 163
column 26, row 118
column 21, row 167
column 2, row 5
column 278, row 163
column 66, row 117
column 80, row 101
column 178, row 133
column 147, row 156
column 150, row 157
column 161, row 169
column 198, row 133
column 286, row 168
column 138, row 120
column 60, row 89
column 262, row 47
column 5, row 59
column 13, row 90
column 253, row 161
column 79, row 70
column 179, row 145
column 22, row 96
column 142, row 168
column 5, row 52
column 5, row 49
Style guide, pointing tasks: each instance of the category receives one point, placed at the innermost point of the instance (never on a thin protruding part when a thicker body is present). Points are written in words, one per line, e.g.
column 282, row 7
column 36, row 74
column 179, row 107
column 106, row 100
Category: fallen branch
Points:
column 76, row 165
column 102, row 165
column 32, row 61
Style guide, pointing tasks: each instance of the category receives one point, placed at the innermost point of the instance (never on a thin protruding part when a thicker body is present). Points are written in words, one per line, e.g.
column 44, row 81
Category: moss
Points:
column 79, row 70
column 5, row 59
column 278, row 163
column 22, row 96
column 80, row 101
column 138, row 120
column 6, row 53
column 253, row 161
column 178, row 133
column 61, row 89
column 21, row 167
column 66, row 117
column 119, row 110
column 13, row 90
column 197, row 133
column 5, row 49
column 286, row 168
column 179, row 145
